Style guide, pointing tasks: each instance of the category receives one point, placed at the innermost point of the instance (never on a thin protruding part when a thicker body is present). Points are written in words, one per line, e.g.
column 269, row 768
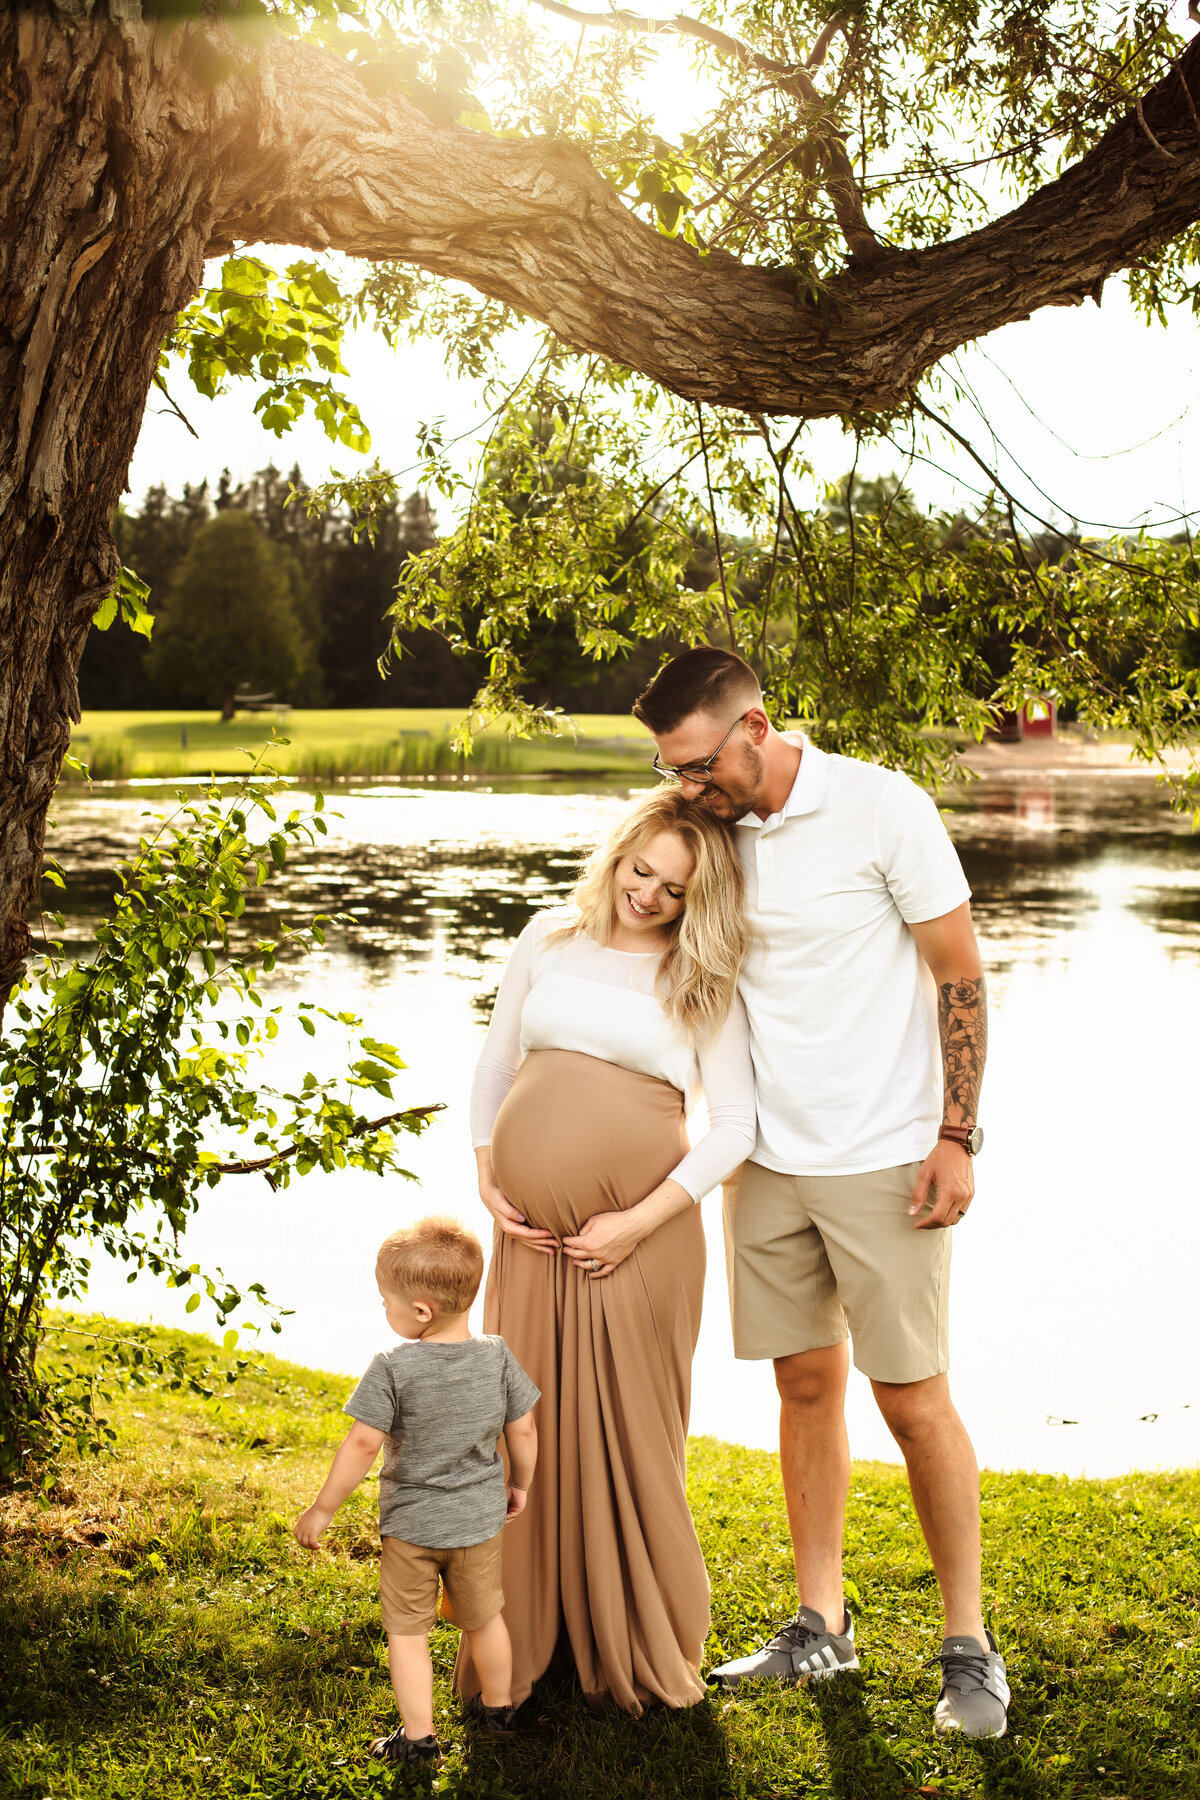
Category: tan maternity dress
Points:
column 604, row 1562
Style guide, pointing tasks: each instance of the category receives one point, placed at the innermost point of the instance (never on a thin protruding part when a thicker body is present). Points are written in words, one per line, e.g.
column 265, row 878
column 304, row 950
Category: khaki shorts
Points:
column 810, row 1256
column 408, row 1586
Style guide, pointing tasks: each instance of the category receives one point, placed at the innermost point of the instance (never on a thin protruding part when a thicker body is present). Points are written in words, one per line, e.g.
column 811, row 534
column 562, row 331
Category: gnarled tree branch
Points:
column 531, row 223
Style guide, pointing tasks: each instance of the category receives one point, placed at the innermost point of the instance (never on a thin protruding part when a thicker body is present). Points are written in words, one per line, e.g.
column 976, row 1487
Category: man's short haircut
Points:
column 437, row 1260
column 702, row 680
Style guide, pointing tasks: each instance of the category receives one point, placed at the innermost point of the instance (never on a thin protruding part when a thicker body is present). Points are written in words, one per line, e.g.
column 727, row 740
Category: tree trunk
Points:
column 130, row 152
column 107, row 213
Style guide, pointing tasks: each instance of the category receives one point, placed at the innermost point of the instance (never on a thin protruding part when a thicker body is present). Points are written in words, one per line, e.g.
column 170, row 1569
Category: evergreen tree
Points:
column 358, row 589
column 340, row 589
column 230, row 620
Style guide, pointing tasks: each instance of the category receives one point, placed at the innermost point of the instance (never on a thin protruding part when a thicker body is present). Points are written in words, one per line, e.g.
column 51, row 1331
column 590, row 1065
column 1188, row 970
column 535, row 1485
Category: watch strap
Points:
column 957, row 1134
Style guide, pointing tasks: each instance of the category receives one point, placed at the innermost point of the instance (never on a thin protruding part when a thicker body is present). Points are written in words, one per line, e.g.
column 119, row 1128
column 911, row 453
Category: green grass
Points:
column 161, row 1634
column 330, row 744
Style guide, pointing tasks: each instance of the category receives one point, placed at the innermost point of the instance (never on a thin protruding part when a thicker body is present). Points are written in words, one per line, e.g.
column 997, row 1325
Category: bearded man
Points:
column 868, row 1026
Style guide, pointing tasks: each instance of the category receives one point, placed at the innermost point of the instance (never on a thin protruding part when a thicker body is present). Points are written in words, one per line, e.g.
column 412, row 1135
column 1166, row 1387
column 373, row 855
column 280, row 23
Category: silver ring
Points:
column 594, row 1263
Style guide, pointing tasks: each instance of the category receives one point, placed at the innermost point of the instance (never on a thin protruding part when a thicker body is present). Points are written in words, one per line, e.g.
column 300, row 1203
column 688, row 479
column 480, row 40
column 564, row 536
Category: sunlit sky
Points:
column 1087, row 404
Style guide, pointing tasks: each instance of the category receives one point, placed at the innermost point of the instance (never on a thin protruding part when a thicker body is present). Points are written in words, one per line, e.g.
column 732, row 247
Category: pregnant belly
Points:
column 578, row 1136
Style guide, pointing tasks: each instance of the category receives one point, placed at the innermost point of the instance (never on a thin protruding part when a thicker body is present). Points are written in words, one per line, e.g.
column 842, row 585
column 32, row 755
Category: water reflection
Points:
column 1039, row 854
column 406, row 866
column 1073, row 1286
column 468, row 867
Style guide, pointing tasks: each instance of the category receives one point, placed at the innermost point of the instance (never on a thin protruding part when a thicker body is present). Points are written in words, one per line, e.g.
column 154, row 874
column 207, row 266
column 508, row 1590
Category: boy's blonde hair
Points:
column 437, row 1260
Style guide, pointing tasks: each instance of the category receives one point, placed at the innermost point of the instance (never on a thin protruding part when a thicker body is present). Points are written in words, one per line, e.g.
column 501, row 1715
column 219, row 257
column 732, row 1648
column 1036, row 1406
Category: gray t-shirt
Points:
column 443, row 1407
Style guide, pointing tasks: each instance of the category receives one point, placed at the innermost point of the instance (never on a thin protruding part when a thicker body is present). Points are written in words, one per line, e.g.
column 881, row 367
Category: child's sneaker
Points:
column 399, row 1749
column 500, row 1720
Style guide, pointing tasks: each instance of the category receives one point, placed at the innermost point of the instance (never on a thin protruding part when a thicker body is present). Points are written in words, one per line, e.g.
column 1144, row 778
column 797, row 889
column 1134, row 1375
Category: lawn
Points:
column 364, row 741
column 162, row 1634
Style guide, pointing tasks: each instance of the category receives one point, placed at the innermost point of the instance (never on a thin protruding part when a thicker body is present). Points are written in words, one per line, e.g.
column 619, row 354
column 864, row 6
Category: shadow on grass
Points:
column 1006, row 1771
column 864, row 1765
column 861, row 1763
column 563, row 1748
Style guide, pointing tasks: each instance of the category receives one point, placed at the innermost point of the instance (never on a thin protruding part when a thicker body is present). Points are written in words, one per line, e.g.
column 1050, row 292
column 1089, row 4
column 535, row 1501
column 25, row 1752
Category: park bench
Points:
column 243, row 700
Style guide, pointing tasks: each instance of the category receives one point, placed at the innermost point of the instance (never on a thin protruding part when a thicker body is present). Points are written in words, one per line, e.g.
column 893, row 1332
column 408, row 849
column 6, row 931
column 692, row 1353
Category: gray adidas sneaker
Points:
column 801, row 1650
column 974, row 1697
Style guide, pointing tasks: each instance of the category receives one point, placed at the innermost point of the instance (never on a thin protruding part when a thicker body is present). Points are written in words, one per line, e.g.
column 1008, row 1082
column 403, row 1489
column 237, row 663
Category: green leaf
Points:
column 128, row 601
column 106, row 612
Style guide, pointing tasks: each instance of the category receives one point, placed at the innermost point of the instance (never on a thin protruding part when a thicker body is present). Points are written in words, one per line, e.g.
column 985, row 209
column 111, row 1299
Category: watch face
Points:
column 975, row 1140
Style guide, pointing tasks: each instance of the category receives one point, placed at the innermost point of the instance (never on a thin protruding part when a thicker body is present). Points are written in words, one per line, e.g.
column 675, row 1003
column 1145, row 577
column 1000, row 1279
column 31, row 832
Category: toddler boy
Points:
column 439, row 1401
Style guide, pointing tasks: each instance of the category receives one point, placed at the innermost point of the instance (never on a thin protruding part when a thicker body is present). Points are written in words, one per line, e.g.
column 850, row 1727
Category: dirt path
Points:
column 1067, row 754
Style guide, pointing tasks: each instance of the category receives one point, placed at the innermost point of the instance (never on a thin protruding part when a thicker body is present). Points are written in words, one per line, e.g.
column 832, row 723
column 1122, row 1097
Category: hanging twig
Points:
column 1141, row 117
column 1076, row 542
column 789, row 516
column 1020, row 549
column 769, row 589
column 850, row 526
column 712, row 513
column 664, row 483
column 161, row 385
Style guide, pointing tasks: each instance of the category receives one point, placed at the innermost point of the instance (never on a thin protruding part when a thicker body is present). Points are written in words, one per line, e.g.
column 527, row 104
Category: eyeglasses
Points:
column 700, row 774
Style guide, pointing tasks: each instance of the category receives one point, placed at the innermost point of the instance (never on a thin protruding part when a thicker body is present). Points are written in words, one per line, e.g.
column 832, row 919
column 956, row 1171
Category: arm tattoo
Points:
column 962, row 1026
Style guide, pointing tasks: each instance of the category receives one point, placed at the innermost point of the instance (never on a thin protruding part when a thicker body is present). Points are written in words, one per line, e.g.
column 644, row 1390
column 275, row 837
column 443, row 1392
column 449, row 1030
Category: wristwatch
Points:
column 971, row 1141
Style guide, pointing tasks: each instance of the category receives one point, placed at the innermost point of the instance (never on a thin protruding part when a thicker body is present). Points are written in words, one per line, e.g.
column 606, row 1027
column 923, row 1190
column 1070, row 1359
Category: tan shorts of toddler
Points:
column 812, row 1257
column 408, row 1586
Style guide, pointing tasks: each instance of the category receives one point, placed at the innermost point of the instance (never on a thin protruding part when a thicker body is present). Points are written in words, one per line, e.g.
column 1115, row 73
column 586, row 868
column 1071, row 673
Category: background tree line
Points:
column 273, row 585
column 250, row 590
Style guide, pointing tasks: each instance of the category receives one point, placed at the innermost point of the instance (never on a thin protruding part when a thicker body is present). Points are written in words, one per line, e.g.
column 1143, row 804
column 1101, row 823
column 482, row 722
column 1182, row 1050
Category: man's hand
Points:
column 516, row 1502
column 945, row 1184
column 309, row 1526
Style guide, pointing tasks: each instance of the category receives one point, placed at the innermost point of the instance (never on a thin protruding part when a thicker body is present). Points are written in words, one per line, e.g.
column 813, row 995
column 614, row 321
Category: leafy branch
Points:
column 257, row 1164
column 793, row 78
column 273, row 330
column 116, row 1072
column 893, row 633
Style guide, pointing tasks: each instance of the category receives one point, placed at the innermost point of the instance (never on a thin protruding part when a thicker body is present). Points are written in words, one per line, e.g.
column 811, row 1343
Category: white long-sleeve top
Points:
column 575, row 994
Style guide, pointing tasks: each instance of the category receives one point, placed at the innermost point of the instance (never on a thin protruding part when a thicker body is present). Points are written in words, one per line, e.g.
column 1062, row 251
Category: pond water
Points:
column 1074, row 1309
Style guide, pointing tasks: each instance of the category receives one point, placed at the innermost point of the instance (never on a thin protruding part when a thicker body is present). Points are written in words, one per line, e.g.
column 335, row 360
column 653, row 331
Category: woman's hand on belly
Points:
column 505, row 1213
column 607, row 1238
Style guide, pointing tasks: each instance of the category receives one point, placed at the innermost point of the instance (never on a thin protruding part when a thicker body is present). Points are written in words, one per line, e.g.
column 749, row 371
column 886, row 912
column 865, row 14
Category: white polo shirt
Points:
column 842, row 1009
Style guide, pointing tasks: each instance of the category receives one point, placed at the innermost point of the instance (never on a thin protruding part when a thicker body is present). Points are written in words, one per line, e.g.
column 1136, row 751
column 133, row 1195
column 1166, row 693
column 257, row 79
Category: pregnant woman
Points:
column 611, row 1016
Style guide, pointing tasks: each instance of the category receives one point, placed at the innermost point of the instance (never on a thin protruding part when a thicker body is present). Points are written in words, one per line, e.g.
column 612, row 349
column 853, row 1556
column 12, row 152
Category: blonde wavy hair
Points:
column 709, row 941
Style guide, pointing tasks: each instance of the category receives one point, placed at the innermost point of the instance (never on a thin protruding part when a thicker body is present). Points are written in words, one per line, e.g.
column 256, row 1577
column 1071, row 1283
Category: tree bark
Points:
column 106, row 213
column 129, row 152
